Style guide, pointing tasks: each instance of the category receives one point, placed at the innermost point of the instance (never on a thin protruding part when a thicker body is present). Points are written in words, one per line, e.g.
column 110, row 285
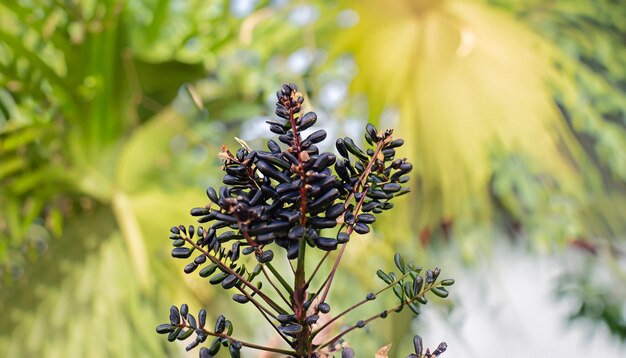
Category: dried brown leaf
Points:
column 382, row 352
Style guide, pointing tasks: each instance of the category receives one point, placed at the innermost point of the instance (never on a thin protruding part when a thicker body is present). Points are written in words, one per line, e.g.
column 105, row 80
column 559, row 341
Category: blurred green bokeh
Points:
column 111, row 113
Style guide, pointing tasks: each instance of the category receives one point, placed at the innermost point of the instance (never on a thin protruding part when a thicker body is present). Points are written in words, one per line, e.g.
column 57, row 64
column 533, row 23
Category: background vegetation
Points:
column 111, row 113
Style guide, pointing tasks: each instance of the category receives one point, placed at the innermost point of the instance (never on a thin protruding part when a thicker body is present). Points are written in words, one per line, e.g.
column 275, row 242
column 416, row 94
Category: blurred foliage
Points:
column 515, row 112
column 590, row 37
column 89, row 149
column 503, row 115
column 101, row 148
column 592, row 290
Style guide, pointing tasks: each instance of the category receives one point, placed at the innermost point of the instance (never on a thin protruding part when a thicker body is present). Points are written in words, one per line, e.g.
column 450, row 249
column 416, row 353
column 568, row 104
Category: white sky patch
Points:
column 280, row 3
column 389, row 118
column 242, row 8
column 303, row 15
column 300, row 60
column 507, row 309
column 347, row 18
column 354, row 128
column 255, row 128
column 333, row 93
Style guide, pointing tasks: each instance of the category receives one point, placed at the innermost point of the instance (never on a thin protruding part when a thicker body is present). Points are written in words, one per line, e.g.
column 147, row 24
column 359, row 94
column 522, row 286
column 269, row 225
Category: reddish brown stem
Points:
column 356, row 305
column 243, row 343
column 267, row 277
column 343, row 247
column 374, row 317
column 299, row 293
column 264, row 312
column 224, row 267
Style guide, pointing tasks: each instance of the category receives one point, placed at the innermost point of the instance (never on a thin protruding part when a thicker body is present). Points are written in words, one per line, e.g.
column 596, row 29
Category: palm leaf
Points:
column 82, row 292
column 475, row 90
column 513, row 113
column 67, row 117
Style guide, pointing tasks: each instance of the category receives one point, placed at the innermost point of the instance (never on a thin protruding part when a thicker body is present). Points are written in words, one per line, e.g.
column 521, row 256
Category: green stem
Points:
column 278, row 291
column 317, row 293
column 319, row 264
column 280, row 278
column 299, row 279
column 298, row 301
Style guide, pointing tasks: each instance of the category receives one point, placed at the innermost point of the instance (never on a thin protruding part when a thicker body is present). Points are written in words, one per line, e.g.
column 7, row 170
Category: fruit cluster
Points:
column 289, row 197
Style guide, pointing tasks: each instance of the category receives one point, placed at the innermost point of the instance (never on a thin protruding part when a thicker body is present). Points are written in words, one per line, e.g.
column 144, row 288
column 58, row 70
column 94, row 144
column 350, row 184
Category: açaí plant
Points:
column 290, row 198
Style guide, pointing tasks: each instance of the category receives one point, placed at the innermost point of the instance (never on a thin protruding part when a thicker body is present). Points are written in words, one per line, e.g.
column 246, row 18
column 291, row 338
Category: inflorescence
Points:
column 290, row 197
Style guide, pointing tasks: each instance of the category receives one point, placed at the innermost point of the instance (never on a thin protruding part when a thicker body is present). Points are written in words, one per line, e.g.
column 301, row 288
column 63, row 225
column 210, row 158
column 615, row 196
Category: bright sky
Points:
column 515, row 315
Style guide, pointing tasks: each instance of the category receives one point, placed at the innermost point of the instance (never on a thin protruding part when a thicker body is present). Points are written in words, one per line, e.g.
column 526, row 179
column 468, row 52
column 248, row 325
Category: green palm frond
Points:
column 81, row 287
column 71, row 103
column 478, row 90
column 88, row 98
column 516, row 116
